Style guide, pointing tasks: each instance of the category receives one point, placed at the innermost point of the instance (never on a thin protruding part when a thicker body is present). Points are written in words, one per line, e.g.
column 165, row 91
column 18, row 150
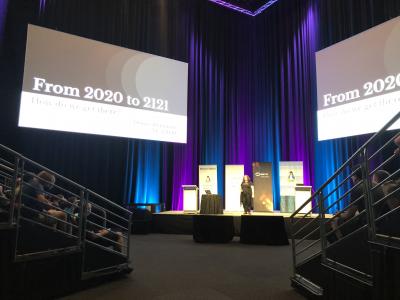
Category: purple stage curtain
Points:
column 3, row 15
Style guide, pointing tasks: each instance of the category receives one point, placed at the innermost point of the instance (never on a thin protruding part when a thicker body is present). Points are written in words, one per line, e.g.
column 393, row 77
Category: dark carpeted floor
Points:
column 175, row 267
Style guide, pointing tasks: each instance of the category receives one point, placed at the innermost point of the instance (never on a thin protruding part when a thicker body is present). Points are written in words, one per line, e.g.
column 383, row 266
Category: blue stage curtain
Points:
column 142, row 178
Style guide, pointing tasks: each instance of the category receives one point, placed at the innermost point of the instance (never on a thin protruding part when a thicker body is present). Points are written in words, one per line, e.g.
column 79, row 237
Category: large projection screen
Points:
column 358, row 83
column 76, row 84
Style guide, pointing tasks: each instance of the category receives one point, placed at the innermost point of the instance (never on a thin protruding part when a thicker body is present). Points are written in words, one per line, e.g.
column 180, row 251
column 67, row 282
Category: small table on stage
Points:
column 211, row 204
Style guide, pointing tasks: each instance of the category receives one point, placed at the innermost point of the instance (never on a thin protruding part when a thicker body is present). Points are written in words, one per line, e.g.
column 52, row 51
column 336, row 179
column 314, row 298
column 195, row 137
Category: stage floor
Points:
column 179, row 222
column 237, row 214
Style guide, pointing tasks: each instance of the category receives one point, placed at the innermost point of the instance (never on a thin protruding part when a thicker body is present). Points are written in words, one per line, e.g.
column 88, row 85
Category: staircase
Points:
column 74, row 239
column 356, row 254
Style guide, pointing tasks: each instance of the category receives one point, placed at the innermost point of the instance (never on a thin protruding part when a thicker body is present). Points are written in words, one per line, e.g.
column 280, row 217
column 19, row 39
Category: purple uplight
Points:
column 231, row 6
column 264, row 7
column 3, row 15
column 242, row 10
column 42, row 6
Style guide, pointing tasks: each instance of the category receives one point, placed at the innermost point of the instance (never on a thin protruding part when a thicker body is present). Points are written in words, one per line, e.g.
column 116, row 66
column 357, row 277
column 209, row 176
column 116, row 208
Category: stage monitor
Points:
column 80, row 85
column 358, row 83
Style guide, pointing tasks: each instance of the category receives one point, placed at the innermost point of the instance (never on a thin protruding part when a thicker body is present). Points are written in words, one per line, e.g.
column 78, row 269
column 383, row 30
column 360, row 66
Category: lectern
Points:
column 190, row 198
column 302, row 194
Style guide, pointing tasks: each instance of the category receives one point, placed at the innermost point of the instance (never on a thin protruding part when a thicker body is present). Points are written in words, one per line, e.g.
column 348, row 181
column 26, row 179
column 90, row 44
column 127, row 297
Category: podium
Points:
column 190, row 198
column 302, row 194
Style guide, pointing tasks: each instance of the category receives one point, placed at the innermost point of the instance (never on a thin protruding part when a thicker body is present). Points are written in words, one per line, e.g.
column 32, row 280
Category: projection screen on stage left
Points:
column 80, row 85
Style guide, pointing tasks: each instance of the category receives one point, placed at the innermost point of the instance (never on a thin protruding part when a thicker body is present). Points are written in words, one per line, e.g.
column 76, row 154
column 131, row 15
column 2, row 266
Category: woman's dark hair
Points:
column 356, row 171
column 47, row 179
column 381, row 175
column 393, row 189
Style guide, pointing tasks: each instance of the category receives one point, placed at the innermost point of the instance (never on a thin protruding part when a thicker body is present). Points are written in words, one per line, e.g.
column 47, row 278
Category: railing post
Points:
column 83, row 215
column 80, row 214
column 129, row 238
column 293, row 245
column 14, row 193
column 368, row 197
column 322, row 228
column 18, row 201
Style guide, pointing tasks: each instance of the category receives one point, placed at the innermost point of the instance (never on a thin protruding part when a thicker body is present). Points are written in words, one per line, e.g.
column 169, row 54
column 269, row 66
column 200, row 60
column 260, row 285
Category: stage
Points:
column 178, row 222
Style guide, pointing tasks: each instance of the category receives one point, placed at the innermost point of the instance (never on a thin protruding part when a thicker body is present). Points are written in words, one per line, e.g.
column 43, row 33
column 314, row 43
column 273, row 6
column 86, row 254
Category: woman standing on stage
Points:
column 246, row 194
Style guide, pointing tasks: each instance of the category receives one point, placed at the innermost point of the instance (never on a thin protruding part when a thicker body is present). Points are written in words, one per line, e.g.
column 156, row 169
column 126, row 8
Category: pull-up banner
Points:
column 233, row 180
column 207, row 179
column 290, row 174
column 262, row 178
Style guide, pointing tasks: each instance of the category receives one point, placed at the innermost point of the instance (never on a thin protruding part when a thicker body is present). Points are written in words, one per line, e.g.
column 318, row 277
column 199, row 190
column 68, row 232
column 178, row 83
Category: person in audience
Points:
column 397, row 143
column 357, row 205
column 107, row 238
column 97, row 218
column 2, row 193
column 4, row 199
column 95, row 227
column 379, row 177
column 9, row 192
column 391, row 189
column 4, row 205
column 390, row 224
column 56, row 200
column 35, row 197
column 246, row 194
column 71, row 205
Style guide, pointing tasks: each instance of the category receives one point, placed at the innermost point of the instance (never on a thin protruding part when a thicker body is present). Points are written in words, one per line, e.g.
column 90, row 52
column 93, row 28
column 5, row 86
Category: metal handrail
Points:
column 390, row 177
column 54, row 185
column 109, row 221
column 40, row 166
column 367, row 214
column 308, row 247
column 90, row 192
column 120, row 217
column 305, row 226
column 344, row 165
column 389, row 142
column 10, row 165
column 388, row 213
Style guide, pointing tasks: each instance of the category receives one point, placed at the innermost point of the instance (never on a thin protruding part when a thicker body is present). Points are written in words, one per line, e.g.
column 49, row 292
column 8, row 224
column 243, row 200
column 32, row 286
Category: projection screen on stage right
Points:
column 358, row 83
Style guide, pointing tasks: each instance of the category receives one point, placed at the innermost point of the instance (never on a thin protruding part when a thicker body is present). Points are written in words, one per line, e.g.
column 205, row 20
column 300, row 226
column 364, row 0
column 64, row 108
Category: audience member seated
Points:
column 35, row 197
column 390, row 225
column 4, row 206
column 95, row 226
column 70, row 206
column 98, row 234
column 57, row 200
column 106, row 238
column 379, row 177
column 6, row 196
column 1, row 192
column 397, row 143
column 391, row 189
column 378, row 180
column 4, row 201
column 356, row 207
column 9, row 193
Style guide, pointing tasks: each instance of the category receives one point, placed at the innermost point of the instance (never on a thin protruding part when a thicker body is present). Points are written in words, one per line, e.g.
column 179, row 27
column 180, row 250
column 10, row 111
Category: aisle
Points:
column 174, row 267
